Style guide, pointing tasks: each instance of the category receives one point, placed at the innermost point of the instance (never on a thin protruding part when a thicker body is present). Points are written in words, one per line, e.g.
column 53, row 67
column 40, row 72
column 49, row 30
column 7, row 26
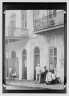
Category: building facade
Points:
column 32, row 37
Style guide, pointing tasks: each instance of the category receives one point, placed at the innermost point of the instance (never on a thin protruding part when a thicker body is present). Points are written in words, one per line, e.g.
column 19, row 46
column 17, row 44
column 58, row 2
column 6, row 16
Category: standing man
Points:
column 46, row 71
column 43, row 74
column 38, row 73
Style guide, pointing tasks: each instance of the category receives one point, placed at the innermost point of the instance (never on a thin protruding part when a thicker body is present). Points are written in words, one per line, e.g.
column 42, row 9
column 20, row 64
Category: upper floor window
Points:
column 24, row 19
column 35, row 13
column 54, row 13
column 12, row 24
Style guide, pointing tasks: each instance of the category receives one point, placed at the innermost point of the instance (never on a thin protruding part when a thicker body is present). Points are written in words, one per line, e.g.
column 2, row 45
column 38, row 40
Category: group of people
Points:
column 42, row 75
column 45, row 76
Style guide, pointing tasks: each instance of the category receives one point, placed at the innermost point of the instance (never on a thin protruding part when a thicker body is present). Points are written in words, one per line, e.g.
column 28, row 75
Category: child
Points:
column 49, row 78
column 53, row 77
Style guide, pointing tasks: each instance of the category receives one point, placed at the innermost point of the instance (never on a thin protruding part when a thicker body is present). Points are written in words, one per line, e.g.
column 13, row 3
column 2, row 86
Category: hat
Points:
column 44, row 66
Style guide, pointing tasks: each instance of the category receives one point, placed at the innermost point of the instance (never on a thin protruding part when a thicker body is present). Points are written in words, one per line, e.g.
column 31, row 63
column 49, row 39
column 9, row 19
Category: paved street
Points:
column 31, row 85
column 12, row 87
column 23, row 89
column 25, row 86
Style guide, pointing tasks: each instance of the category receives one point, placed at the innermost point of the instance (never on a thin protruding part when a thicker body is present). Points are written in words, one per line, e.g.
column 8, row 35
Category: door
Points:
column 24, row 64
column 36, row 60
column 13, row 58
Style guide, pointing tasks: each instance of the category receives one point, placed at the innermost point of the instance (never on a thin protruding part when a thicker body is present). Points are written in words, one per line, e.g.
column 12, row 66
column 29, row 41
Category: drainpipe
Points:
column 8, row 54
column 53, row 47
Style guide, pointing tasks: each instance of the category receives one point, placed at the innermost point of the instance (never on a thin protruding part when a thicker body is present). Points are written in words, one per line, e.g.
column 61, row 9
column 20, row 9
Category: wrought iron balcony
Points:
column 47, row 22
column 17, row 32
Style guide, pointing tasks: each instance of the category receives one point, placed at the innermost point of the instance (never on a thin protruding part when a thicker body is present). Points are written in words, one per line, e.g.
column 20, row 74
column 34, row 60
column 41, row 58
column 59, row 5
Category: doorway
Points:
column 36, row 59
column 24, row 64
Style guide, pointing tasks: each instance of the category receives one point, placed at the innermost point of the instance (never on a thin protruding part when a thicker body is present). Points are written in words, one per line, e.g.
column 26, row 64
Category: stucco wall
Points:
column 8, row 14
column 44, row 42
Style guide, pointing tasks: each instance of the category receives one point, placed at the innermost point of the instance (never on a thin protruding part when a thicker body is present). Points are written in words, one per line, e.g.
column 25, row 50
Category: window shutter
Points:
column 51, row 55
column 55, row 57
column 52, row 58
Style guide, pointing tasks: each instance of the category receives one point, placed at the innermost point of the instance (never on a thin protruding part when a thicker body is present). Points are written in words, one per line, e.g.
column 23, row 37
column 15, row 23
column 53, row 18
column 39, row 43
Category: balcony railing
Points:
column 17, row 32
column 47, row 22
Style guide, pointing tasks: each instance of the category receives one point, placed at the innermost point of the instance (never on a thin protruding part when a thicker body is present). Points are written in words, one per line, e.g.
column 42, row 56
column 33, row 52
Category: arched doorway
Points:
column 24, row 64
column 36, row 59
column 15, row 63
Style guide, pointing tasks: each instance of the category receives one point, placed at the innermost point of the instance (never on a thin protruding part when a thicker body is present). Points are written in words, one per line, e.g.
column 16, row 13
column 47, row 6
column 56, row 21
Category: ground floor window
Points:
column 52, row 58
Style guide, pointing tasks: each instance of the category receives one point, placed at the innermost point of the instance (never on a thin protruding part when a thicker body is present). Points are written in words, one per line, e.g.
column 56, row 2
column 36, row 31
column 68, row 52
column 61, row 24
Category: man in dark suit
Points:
column 43, row 75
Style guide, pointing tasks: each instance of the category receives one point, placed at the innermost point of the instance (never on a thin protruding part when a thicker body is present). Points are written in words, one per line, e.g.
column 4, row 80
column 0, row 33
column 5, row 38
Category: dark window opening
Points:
column 54, row 13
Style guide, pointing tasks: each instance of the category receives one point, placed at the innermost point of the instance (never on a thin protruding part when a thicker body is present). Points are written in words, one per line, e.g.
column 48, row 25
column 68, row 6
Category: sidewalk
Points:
column 26, row 83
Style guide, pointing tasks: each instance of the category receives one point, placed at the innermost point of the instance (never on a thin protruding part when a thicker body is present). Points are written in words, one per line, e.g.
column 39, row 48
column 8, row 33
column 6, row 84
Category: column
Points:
column 20, row 66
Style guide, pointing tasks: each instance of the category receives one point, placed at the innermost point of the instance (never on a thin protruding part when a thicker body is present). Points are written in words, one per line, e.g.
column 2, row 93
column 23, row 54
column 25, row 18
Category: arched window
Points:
column 36, row 51
column 24, row 53
column 36, row 56
column 13, row 55
column 13, row 23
